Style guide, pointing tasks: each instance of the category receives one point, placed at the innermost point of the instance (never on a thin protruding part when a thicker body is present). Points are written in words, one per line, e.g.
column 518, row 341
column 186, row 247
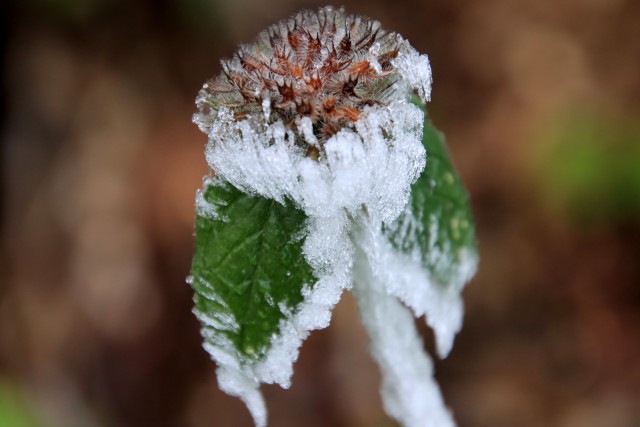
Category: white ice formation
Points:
column 362, row 175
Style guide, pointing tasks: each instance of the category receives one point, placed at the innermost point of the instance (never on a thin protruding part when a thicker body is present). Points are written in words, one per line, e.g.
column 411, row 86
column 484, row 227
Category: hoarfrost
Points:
column 234, row 377
column 410, row 394
column 406, row 278
column 204, row 207
column 373, row 57
column 415, row 70
column 266, row 107
column 363, row 173
column 235, row 383
column 329, row 252
column 373, row 166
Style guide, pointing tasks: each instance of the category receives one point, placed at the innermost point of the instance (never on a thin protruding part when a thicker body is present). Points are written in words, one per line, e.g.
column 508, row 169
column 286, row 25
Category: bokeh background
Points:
column 540, row 101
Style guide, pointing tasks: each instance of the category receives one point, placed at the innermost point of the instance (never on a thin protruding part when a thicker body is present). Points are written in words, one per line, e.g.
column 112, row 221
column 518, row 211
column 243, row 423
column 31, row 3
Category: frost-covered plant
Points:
column 317, row 147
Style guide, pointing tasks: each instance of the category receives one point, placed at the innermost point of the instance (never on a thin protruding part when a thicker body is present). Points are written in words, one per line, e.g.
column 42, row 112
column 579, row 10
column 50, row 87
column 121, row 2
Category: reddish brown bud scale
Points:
column 316, row 64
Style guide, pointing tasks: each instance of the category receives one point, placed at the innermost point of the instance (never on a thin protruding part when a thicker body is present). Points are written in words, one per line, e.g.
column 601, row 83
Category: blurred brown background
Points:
column 540, row 101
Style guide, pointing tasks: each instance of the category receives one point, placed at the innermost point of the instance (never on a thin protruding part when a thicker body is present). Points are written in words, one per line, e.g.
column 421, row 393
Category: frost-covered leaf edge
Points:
column 410, row 393
column 248, row 261
column 248, row 275
column 435, row 254
column 241, row 376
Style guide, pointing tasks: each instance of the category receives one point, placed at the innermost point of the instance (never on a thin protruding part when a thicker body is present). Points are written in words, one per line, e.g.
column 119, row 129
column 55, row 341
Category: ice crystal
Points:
column 326, row 66
column 316, row 112
column 409, row 391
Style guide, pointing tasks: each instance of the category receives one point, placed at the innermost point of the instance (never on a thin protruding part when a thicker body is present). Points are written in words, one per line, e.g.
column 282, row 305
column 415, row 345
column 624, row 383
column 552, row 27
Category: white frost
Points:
column 235, row 383
column 406, row 278
column 410, row 393
column 328, row 251
column 369, row 169
column 415, row 70
column 373, row 166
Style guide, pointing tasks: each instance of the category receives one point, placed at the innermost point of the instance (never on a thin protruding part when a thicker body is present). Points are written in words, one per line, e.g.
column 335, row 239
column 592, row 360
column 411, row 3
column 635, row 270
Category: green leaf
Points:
column 248, row 269
column 438, row 222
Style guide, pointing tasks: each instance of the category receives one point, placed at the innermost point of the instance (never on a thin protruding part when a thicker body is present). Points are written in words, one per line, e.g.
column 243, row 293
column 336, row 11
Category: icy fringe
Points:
column 406, row 278
column 410, row 393
column 373, row 167
column 363, row 177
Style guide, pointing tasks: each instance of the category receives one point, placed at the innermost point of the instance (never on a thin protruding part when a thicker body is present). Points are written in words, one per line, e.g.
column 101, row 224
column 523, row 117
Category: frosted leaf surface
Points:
column 249, row 274
column 410, row 393
column 309, row 128
column 375, row 164
column 435, row 244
